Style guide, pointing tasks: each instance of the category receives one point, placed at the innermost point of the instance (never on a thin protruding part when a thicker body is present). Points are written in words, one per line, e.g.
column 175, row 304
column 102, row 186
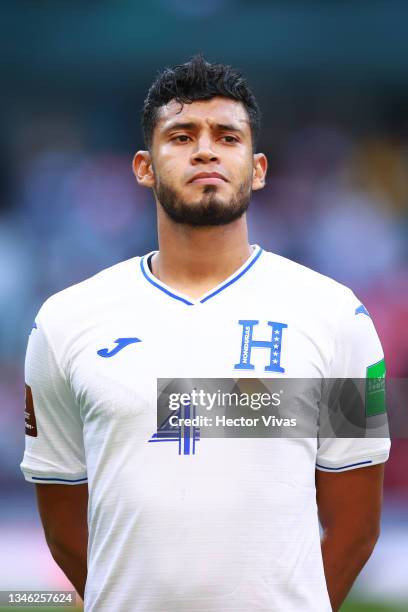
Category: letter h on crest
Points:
column 248, row 343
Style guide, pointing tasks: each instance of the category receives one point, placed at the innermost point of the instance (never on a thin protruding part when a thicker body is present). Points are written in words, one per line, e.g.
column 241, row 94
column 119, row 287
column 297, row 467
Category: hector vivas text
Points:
column 220, row 399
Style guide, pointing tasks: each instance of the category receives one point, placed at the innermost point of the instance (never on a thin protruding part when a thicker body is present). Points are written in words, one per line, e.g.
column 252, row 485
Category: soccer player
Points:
column 144, row 522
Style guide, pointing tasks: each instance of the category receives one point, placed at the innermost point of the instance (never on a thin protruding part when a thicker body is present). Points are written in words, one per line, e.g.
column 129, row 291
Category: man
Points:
column 216, row 524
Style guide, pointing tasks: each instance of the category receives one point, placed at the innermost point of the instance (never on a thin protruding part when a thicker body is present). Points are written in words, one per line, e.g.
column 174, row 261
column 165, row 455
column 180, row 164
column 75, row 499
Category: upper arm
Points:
column 351, row 499
column 63, row 511
column 54, row 447
column 350, row 471
column 357, row 362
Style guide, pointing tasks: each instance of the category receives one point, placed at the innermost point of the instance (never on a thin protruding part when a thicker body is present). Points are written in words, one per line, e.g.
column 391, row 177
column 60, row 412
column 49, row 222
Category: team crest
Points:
column 272, row 346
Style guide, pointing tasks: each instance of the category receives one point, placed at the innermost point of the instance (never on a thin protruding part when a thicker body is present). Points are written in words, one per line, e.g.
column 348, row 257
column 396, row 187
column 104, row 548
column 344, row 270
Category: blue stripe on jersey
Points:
column 173, row 295
column 235, row 278
column 344, row 466
column 363, row 310
column 60, row 479
column 232, row 280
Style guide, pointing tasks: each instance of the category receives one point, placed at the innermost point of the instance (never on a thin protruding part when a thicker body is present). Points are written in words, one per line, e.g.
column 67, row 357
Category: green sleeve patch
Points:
column 375, row 389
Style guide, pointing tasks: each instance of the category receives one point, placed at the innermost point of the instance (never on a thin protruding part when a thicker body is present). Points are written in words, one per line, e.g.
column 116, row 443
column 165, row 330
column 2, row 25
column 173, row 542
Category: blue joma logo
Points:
column 121, row 343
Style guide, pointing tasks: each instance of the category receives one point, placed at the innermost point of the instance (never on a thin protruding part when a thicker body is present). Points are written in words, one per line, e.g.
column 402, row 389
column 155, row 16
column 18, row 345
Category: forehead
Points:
column 218, row 110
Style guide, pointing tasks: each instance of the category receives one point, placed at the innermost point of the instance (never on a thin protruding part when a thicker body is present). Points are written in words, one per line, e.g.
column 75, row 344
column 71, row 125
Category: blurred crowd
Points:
column 335, row 200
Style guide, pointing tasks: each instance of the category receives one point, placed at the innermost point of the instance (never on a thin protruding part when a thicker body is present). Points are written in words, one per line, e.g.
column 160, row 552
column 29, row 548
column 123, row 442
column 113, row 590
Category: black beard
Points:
column 209, row 211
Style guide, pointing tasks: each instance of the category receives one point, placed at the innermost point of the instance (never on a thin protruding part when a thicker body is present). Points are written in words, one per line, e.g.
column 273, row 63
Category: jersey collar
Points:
column 172, row 293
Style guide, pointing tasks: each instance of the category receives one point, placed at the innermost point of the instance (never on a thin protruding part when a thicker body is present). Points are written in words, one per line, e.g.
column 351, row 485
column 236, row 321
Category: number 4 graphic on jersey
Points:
column 186, row 436
column 274, row 345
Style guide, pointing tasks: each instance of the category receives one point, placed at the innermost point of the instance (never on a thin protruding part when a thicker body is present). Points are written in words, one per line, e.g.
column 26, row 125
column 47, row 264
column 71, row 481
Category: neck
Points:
column 197, row 258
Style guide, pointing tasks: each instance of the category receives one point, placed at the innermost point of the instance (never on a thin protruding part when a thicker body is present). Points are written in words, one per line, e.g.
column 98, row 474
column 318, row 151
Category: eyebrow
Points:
column 228, row 127
column 190, row 125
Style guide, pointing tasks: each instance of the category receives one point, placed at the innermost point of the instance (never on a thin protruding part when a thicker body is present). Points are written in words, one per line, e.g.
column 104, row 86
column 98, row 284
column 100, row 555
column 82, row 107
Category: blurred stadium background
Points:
column 331, row 80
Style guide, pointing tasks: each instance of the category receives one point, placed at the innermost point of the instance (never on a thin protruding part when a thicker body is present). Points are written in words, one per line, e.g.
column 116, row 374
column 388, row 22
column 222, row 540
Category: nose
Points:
column 204, row 152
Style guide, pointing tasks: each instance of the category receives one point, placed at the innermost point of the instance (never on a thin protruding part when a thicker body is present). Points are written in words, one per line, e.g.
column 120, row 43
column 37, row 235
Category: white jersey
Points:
column 225, row 524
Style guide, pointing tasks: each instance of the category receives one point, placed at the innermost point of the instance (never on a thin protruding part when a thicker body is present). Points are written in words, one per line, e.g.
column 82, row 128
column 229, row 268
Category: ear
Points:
column 259, row 171
column 143, row 168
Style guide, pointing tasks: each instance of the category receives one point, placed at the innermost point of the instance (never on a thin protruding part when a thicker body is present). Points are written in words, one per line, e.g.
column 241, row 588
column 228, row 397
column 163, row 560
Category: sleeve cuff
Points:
column 351, row 464
column 48, row 478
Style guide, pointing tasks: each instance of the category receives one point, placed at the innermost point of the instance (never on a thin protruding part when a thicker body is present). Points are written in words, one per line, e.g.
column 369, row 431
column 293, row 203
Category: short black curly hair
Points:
column 195, row 80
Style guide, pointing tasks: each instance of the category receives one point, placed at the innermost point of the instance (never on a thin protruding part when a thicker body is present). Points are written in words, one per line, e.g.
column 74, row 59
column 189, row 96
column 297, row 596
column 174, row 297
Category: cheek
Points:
column 171, row 167
column 242, row 170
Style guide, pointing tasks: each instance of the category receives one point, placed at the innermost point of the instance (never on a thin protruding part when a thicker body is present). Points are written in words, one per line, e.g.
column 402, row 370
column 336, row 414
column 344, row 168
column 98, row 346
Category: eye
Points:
column 182, row 138
column 230, row 139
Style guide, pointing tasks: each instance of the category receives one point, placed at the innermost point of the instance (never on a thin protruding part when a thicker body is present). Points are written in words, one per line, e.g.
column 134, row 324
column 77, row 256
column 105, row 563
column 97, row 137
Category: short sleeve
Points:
column 54, row 448
column 357, row 355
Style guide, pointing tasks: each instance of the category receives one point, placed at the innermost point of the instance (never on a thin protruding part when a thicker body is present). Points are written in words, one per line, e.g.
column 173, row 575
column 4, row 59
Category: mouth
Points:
column 208, row 178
